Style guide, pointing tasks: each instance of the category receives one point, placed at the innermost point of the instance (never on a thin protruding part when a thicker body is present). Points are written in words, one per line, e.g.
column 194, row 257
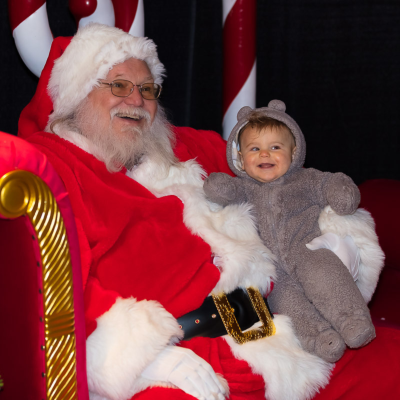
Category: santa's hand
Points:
column 345, row 249
column 187, row 371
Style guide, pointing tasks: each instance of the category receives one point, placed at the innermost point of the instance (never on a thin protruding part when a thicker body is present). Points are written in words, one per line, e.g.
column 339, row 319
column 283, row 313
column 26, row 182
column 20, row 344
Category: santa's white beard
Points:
column 131, row 145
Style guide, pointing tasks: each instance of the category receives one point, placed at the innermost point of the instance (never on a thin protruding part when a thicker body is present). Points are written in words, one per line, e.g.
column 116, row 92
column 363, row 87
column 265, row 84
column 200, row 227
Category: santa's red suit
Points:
column 148, row 244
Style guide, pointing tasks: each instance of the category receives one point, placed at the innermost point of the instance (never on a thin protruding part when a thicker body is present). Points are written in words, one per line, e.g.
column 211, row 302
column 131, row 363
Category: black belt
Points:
column 206, row 322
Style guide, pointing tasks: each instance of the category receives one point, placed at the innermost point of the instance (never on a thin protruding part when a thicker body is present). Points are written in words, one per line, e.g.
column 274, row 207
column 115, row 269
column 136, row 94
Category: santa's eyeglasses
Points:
column 123, row 88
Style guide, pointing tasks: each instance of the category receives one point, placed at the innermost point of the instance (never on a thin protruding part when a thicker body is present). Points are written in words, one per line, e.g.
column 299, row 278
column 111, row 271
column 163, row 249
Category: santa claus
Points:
column 171, row 280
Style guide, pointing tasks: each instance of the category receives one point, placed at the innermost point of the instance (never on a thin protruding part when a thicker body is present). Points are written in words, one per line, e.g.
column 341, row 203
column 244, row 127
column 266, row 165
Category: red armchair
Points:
column 42, row 340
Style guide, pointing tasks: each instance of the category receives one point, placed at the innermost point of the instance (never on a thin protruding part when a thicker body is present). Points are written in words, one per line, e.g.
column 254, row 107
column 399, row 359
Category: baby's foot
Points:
column 328, row 345
column 357, row 331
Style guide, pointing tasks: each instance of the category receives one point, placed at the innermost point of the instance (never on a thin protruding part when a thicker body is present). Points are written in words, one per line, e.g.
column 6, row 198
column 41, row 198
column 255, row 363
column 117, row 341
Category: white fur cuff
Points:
column 128, row 337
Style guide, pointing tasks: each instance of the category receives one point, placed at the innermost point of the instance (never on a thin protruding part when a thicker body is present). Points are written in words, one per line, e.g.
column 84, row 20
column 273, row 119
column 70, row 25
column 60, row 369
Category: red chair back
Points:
column 42, row 344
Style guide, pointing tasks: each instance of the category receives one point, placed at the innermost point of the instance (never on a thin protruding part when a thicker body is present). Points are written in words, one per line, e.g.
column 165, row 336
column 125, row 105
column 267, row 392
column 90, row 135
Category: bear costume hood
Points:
column 276, row 110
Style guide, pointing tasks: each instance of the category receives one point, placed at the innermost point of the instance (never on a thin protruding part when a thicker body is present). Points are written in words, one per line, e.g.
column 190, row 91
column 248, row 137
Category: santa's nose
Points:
column 135, row 98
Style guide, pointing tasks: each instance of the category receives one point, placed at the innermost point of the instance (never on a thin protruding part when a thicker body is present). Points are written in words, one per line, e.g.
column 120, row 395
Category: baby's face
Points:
column 267, row 154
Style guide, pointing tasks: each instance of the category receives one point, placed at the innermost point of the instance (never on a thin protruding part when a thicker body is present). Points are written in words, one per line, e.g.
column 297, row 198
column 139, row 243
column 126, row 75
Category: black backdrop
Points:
column 335, row 63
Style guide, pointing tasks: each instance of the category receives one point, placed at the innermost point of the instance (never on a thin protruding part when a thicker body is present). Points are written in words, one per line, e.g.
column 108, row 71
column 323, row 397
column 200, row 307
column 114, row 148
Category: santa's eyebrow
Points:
column 147, row 78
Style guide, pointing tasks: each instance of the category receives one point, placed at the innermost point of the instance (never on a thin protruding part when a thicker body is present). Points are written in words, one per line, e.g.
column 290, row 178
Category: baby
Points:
column 266, row 150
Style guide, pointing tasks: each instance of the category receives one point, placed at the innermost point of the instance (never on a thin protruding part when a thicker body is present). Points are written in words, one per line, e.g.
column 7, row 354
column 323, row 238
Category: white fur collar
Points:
column 77, row 139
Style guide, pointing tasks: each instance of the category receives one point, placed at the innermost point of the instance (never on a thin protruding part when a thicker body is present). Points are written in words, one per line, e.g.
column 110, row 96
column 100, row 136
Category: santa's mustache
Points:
column 135, row 113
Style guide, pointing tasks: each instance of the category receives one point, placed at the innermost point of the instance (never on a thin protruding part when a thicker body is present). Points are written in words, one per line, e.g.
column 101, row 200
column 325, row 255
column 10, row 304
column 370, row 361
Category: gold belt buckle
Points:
column 232, row 327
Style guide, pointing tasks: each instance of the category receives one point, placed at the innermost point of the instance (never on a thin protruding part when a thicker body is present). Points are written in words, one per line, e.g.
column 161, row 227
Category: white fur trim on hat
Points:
column 92, row 53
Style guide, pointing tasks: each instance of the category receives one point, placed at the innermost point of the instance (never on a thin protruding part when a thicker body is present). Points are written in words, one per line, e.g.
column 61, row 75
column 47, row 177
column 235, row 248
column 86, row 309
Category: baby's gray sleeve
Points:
column 223, row 189
column 342, row 194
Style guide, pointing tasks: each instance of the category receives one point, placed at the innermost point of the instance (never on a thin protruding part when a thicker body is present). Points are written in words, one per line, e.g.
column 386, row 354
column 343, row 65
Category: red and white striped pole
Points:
column 239, row 80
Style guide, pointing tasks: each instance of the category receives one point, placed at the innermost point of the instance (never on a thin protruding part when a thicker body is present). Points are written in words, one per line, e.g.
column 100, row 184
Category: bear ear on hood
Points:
column 246, row 110
column 277, row 105
column 273, row 104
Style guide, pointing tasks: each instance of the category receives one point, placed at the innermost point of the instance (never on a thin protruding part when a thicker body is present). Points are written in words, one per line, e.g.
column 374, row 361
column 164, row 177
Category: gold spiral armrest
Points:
column 23, row 193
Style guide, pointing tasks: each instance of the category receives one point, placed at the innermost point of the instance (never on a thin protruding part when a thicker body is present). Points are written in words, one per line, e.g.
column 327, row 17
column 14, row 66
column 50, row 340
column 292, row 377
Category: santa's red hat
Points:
column 74, row 68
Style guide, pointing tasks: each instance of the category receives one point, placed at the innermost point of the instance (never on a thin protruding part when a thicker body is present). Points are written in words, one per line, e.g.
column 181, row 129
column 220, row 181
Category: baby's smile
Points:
column 266, row 165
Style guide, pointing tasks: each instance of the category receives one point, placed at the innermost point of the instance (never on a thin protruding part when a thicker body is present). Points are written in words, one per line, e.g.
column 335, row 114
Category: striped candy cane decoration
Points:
column 239, row 80
column 32, row 34
column 86, row 11
column 129, row 16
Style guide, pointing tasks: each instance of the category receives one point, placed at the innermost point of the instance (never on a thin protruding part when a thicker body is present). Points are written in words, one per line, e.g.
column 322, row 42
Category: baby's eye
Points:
column 275, row 147
column 254, row 149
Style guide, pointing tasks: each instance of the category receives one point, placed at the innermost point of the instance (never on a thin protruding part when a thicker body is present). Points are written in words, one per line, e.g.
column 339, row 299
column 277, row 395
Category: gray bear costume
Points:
column 313, row 287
